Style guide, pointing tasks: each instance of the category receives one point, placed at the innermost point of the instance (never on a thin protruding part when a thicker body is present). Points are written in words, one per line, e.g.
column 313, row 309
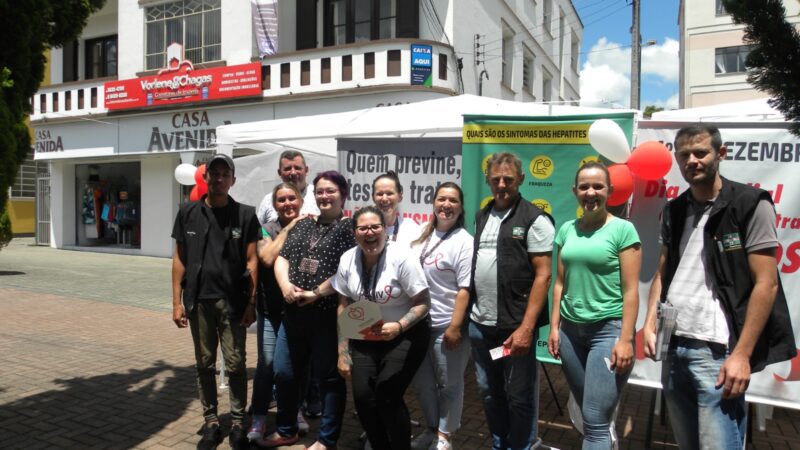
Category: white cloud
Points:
column 605, row 77
column 670, row 103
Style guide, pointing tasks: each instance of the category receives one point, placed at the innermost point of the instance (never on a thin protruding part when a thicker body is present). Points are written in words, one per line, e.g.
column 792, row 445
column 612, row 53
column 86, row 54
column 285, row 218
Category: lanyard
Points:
column 394, row 231
column 366, row 274
column 315, row 238
column 425, row 253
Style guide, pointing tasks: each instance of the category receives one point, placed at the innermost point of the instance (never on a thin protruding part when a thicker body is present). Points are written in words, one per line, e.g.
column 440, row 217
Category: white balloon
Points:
column 184, row 173
column 609, row 140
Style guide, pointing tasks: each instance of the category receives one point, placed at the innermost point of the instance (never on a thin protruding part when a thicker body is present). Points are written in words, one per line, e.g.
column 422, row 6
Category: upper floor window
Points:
column 575, row 53
column 527, row 70
column 731, row 59
column 547, row 16
column 347, row 21
column 101, row 57
column 720, row 8
column 508, row 55
column 195, row 24
column 547, row 85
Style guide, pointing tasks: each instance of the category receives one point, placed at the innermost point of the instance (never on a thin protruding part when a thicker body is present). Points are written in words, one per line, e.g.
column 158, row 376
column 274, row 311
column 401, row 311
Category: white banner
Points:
column 421, row 164
column 765, row 157
column 265, row 24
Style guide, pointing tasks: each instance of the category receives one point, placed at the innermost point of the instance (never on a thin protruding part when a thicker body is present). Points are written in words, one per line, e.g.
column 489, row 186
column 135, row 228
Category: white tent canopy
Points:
column 747, row 111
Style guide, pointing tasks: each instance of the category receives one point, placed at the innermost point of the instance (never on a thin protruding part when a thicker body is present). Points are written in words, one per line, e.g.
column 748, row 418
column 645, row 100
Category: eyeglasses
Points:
column 363, row 229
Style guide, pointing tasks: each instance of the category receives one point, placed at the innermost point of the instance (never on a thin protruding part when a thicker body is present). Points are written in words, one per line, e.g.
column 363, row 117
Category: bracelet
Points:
column 316, row 291
column 401, row 326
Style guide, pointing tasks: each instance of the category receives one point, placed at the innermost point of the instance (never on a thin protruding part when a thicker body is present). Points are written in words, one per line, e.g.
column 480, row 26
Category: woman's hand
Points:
column 452, row 337
column 292, row 293
column 294, row 221
column 391, row 330
column 622, row 357
column 345, row 366
column 552, row 343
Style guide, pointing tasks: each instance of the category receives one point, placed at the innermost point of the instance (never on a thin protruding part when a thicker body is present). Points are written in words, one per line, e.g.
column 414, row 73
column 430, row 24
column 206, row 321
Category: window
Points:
column 547, row 85
column 731, row 59
column 348, row 21
column 575, row 53
column 527, row 71
column 195, row 24
column 70, row 57
column 101, row 57
column 547, row 16
column 25, row 182
column 720, row 8
column 508, row 55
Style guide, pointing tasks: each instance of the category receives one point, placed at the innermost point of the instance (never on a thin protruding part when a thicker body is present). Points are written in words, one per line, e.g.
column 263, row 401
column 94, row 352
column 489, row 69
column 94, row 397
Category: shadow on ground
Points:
column 118, row 410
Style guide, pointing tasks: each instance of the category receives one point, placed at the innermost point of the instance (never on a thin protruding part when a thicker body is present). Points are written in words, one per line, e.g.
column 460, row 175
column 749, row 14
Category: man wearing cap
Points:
column 292, row 168
column 214, row 272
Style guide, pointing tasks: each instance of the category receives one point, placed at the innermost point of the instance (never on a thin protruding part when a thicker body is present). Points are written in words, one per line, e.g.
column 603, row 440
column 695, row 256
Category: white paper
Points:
column 358, row 319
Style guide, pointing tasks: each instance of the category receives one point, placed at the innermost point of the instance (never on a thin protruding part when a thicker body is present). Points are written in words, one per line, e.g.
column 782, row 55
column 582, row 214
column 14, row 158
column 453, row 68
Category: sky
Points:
column 605, row 59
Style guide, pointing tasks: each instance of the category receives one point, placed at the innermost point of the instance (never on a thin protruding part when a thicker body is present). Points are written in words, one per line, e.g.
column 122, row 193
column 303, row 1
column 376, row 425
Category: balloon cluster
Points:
column 650, row 160
column 188, row 175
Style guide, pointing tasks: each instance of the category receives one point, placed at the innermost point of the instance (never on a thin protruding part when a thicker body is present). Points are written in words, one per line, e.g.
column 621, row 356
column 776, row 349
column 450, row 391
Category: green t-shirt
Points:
column 592, row 284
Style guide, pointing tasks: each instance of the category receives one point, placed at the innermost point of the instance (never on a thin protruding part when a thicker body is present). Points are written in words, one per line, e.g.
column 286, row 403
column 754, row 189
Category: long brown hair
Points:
column 431, row 226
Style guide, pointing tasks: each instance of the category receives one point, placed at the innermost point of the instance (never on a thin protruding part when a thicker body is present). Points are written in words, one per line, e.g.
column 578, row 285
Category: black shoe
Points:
column 238, row 438
column 211, row 437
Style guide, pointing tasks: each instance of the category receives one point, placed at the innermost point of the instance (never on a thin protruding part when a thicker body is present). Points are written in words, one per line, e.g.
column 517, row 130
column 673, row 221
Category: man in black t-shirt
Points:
column 214, row 274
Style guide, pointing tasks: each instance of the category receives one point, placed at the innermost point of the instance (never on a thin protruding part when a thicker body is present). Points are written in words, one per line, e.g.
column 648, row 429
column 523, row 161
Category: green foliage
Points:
column 650, row 109
column 773, row 64
column 27, row 29
column 5, row 229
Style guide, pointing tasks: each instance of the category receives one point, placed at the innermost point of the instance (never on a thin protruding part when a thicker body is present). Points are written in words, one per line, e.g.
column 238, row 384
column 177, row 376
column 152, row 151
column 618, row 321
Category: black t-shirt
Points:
column 213, row 282
column 322, row 243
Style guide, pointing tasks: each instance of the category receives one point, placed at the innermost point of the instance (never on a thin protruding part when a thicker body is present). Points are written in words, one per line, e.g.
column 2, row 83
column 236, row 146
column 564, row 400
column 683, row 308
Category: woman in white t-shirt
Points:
column 383, row 364
column 387, row 193
column 445, row 252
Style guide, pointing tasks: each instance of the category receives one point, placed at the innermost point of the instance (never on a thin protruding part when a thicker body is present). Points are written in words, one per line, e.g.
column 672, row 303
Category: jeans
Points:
column 382, row 371
column 304, row 335
column 267, row 333
column 700, row 417
column 439, row 383
column 509, row 389
column 211, row 326
column 583, row 347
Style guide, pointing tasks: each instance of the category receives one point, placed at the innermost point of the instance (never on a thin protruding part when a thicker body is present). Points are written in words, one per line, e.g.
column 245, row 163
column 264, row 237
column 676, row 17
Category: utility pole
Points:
column 636, row 57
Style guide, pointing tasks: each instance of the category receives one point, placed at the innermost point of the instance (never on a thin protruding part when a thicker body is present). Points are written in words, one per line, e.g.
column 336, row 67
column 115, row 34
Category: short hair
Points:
column 392, row 175
column 285, row 185
column 335, row 178
column 504, row 158
column 369, row 209
column 290, row 155
column 593, row 165
column 697, row 129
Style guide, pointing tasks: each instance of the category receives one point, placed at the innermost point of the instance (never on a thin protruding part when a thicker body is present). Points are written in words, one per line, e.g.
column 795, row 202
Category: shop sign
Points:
column 183, row 84
column 421, row 65
column 186, row 131
column 44, row 142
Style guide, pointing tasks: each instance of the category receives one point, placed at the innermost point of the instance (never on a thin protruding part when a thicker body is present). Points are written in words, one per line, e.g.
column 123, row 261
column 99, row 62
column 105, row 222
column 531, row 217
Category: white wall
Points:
column 131, row 39
column 237, row 32
column 160, row 197
column 62, row 204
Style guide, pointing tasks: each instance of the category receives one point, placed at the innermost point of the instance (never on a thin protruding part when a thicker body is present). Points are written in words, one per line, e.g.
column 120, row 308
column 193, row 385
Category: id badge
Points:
column 309, row 266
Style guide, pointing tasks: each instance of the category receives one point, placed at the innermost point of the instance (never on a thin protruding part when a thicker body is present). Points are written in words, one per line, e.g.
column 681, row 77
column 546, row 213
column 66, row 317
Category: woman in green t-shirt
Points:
column 595, row 303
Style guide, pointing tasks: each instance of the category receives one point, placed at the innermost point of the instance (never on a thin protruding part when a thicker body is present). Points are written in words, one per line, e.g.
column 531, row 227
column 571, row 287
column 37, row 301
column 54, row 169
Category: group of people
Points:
column 446, row 295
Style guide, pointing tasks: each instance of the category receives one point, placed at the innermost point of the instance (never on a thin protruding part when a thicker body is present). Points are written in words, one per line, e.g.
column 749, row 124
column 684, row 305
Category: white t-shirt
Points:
column 407, row 232
column 266, row 213
column 400, row 278
column 448, row 268
column 540, row 240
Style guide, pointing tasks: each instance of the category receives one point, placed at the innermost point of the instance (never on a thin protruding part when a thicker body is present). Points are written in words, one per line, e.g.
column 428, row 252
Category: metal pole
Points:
column 636, row 57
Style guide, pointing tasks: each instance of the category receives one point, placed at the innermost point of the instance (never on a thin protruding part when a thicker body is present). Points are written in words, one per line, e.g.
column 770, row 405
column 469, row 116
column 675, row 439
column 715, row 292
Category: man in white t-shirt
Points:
column 511, row 277
column 292, row 168
column 718, row 269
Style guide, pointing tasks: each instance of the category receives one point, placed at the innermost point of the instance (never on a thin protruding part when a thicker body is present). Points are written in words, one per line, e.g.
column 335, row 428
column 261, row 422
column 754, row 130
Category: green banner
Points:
column 551, row 150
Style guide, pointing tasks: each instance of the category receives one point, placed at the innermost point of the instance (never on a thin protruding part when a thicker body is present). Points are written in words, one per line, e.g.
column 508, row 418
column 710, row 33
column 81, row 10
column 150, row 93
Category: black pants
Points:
column 381, row 372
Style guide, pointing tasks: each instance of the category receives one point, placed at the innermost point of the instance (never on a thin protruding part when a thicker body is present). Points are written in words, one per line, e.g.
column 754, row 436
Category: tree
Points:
column 28, row 28
column 650, row 109
column 773, row 64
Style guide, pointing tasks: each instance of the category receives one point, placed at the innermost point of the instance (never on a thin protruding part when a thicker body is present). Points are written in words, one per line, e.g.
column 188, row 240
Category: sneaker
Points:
column 257, row 428
column 313, row 409
column 237, row 438
column 276, row 440
column 211, row 437
column 441, row 444
column 424, row 440
column 302, row 425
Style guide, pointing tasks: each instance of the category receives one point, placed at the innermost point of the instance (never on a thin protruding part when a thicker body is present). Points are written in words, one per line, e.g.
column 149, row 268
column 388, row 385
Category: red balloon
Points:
column 194, row 196
column 622, row 181
column 202, row 189
column 200, row 174
column 650, row 160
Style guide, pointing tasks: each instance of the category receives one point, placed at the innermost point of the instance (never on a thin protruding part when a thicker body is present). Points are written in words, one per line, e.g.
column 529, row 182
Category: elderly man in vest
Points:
column 510, row 280
column 718, row 269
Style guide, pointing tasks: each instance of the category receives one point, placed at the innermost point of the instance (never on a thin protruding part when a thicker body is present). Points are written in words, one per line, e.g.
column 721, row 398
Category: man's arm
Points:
column 521, row 339
column 249, row 315
column 649, row 331
column 734, row 375
column 178, row 271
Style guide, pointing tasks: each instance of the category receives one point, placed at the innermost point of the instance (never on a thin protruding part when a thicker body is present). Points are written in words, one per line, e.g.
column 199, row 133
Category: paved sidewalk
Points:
column 94, row 361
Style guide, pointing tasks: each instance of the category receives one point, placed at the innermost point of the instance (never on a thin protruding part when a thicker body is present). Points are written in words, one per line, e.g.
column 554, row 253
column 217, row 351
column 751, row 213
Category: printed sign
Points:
column 421, row 65
column 361, row 320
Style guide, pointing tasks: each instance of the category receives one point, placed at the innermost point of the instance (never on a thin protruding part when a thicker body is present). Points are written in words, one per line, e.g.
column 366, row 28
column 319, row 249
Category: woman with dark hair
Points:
column 595, row 303
column 382, row 367
column 304, row 269
column 445, row 252
column 287, row 201
column 387, row 193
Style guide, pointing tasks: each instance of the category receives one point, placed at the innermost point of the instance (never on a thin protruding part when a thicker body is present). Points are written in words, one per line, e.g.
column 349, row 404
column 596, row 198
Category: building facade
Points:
column 125, row 105
column 713, row 54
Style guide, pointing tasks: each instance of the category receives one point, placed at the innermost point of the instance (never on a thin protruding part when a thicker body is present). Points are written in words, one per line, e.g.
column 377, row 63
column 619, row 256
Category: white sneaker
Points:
column 302, row 425
column 441, row 444
column 258, row 428
column 424, row 440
